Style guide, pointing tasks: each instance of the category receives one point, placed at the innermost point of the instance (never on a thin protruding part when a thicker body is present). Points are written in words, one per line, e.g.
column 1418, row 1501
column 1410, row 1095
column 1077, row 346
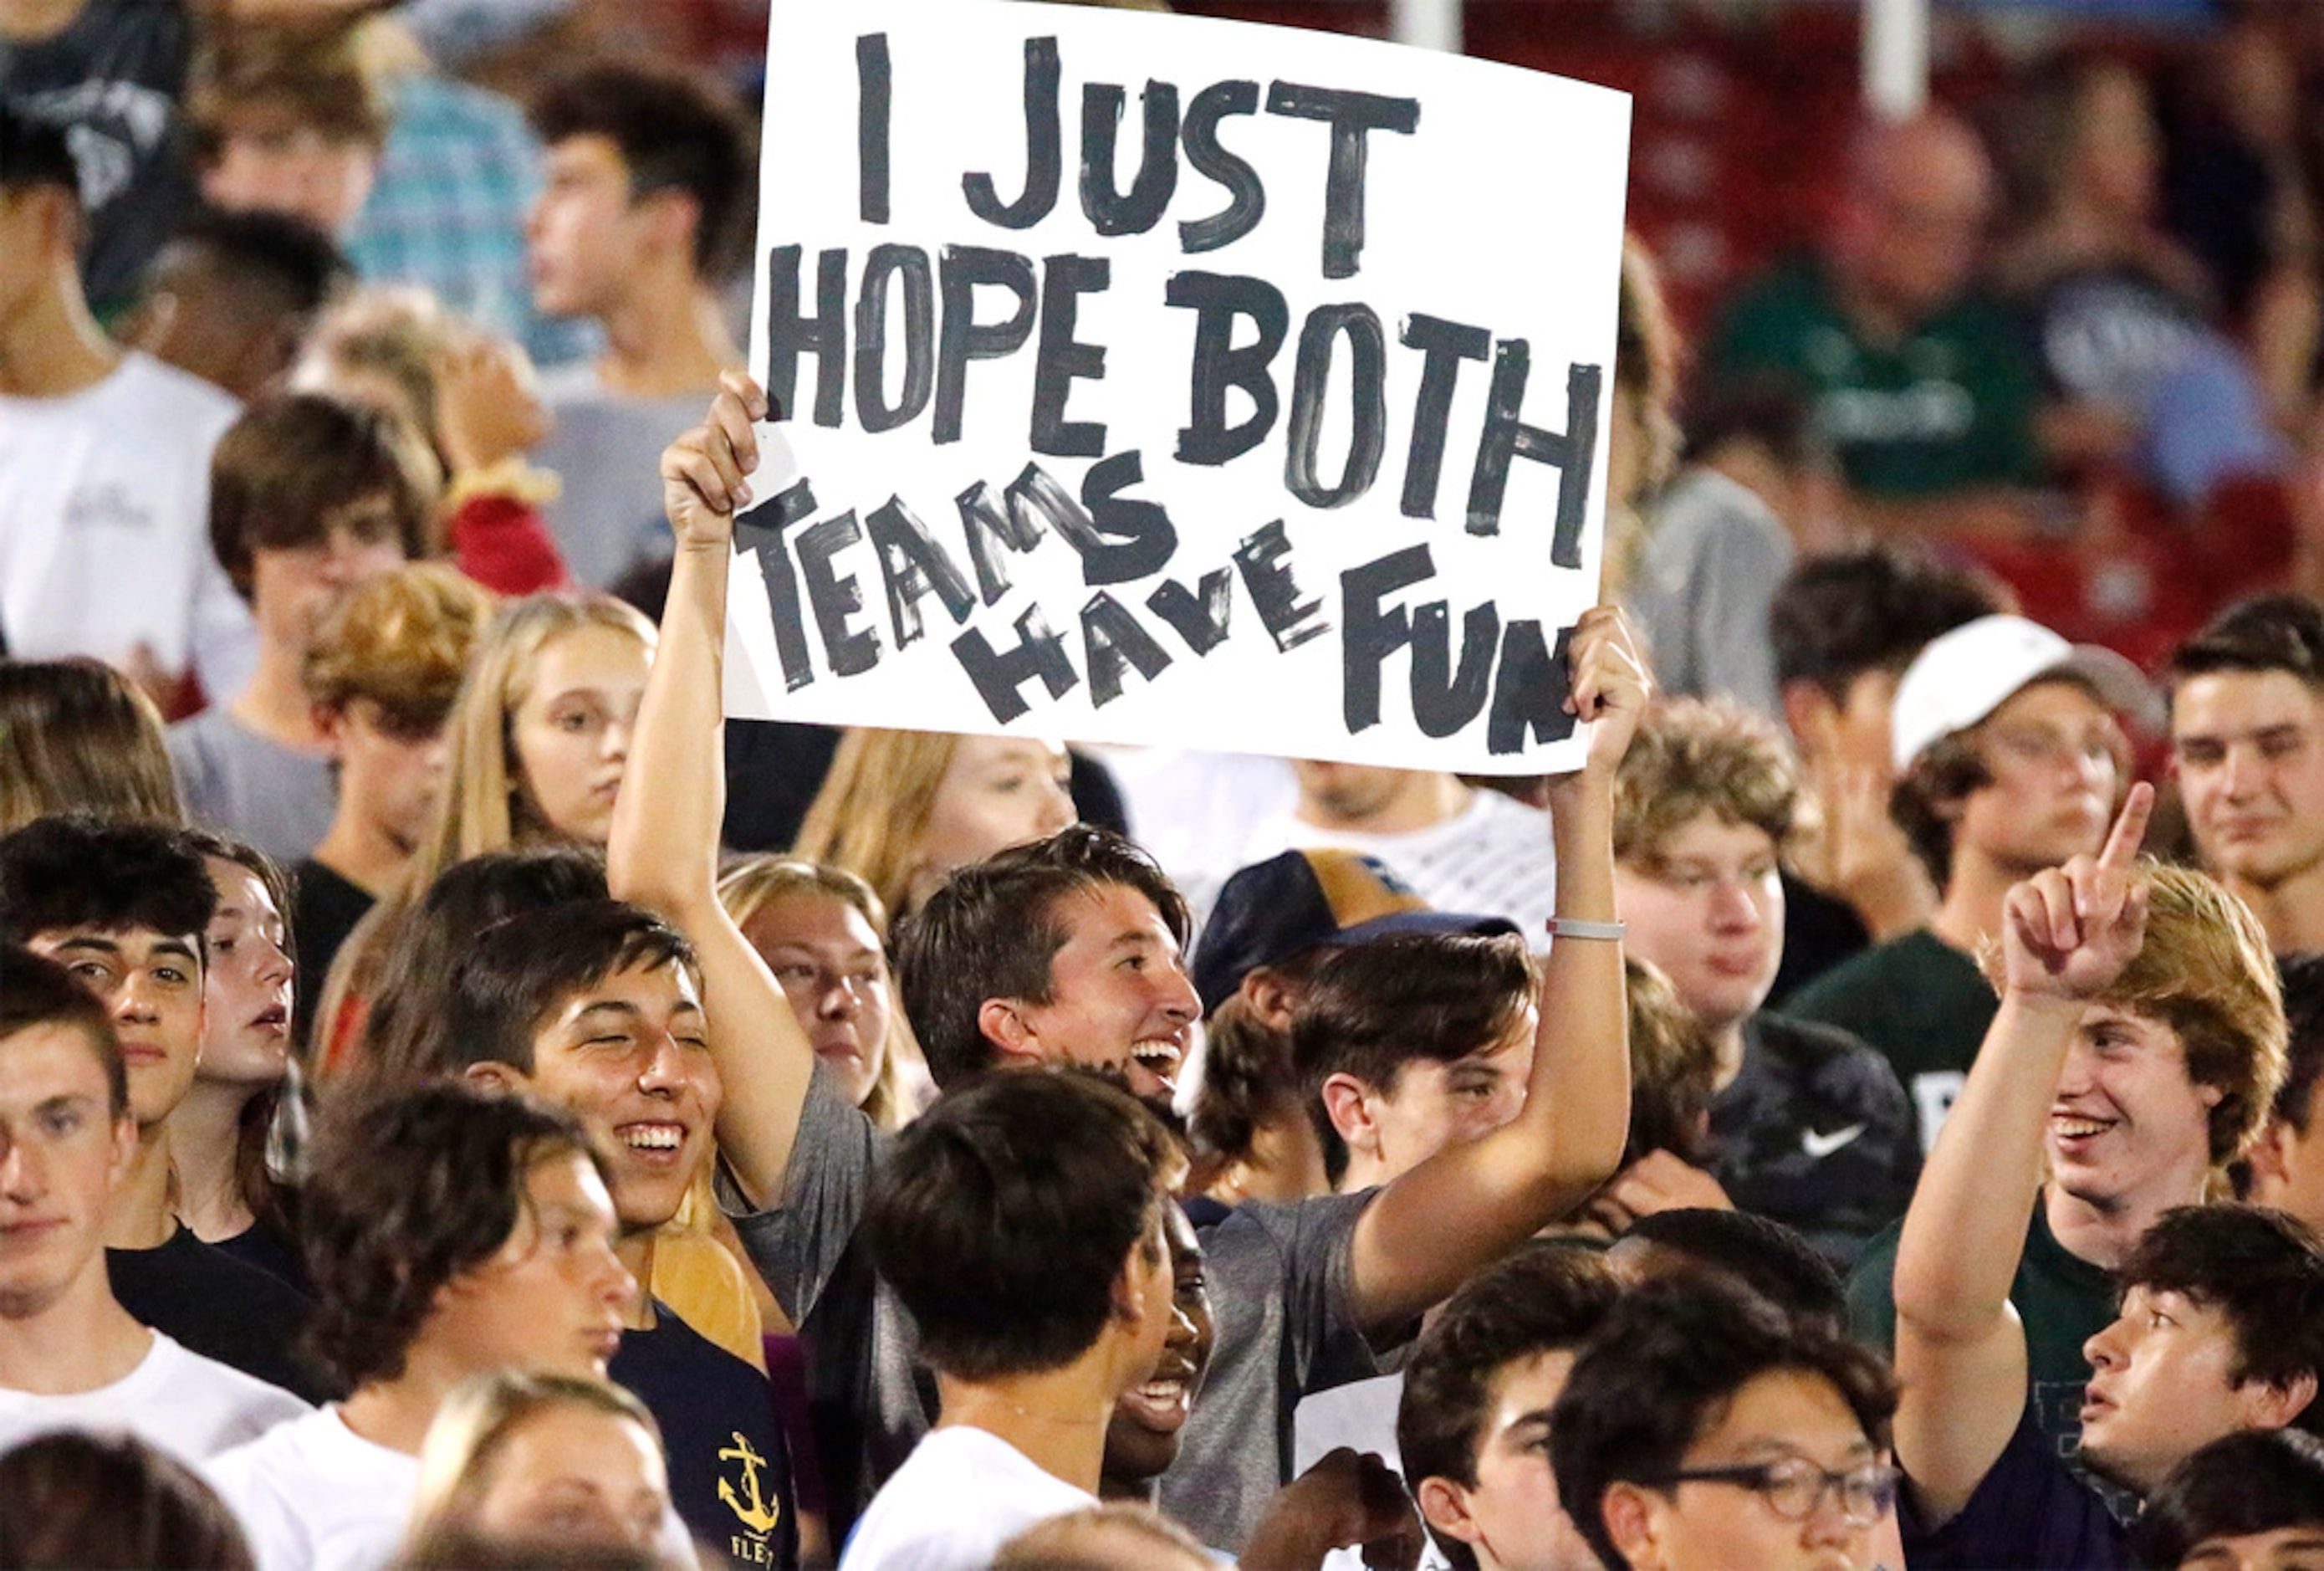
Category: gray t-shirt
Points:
column 1281, row 1293
column 868, row 1399
column 606, row 454
column 1713, row 560
column 240, row 783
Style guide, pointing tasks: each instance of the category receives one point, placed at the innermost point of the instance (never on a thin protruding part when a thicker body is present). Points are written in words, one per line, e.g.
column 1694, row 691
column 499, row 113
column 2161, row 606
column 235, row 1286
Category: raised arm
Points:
column 664, row 852
column 1467, row 1206
column 1961, row 1351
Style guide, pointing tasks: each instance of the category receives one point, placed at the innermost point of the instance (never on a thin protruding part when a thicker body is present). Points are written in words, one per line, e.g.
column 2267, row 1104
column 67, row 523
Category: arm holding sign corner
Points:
column 664, row 852
column 1427, row 1232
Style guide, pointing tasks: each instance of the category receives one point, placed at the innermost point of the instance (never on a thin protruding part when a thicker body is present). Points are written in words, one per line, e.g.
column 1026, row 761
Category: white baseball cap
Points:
column 1962, row 676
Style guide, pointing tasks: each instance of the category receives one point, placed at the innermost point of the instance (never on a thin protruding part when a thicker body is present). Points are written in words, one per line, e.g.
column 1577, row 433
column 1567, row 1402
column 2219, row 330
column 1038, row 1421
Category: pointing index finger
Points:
column 2129, row 831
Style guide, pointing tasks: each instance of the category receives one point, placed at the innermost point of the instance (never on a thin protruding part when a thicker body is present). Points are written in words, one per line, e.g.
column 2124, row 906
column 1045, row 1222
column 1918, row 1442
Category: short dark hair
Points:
column 1776, row 1261
column 1669, row 1357
column 408, row 1191
column 1373, row 1009
column 1839, row 616
column 2268, row 633
column 284, row 260
column 35, row 991
column 81, row 1498
column 35, row 151
column 1004, row 1216
column 2255, row 1481
column 2302, row 978
column 1771, row 409
column 675, row 132
column 1547, row 1297
column 292, row 461
column 2262, row 1268
column 522, row 969
column 426, row 938
column 78, row 872
column 994, row 929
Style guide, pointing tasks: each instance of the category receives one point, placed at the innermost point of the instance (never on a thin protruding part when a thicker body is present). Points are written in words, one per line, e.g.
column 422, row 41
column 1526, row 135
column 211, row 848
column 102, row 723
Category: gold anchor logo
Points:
column 760, row 1515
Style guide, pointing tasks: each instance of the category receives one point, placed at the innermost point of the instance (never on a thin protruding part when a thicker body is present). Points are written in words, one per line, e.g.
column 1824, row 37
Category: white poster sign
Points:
column 1160, row 379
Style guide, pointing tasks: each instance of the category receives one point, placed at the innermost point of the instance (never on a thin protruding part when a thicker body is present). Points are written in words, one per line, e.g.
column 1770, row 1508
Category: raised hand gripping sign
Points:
column 1158, row 379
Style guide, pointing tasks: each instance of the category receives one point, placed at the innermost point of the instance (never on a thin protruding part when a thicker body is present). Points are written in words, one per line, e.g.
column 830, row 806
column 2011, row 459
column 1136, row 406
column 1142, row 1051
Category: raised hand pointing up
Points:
column 2068, row 931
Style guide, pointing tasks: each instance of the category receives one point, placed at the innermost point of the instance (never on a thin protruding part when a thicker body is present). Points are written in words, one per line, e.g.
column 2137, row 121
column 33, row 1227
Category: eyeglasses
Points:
column 1794, row 1488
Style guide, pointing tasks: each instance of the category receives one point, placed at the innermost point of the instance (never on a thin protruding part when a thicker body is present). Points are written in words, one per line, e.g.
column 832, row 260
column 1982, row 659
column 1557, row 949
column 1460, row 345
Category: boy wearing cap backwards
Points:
column 1257, row 1125
column 2008, row 761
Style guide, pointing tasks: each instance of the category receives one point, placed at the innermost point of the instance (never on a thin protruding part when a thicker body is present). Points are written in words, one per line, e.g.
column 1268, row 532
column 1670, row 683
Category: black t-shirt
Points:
column 1815, row 1132
column 114, row 79
column 271, row 1252
column 1820, row 931
column 325, row 908
column 730, row 1472
column 215, row 1305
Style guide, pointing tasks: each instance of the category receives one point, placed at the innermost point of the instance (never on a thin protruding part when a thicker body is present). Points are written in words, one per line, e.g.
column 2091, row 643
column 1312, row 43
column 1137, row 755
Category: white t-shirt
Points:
column 189, row 1406
column 316, row 1496
column 1491, row 859
column 959, row 1496
column 106, row 495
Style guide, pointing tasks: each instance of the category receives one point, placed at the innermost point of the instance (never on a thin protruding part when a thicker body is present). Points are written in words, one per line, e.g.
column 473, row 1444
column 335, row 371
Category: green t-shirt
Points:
column 1949, row 407
column 1922, row 1003
column 2062, row 1299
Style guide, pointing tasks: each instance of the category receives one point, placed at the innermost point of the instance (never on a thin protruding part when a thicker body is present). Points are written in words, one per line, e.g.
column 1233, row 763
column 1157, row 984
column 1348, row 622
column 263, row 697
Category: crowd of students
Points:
column 463, row 1102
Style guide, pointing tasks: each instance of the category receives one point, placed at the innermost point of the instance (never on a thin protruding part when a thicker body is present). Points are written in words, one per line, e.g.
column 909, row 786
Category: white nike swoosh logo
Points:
column 1822, row 1145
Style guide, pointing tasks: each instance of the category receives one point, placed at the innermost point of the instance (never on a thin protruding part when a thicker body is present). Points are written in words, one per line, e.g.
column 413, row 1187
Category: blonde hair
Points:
column 395, row 332
column 484, row 809
column 749, row 887
column 474, row 1424
column 401, row 640
column 874, row 807
column 78, row 734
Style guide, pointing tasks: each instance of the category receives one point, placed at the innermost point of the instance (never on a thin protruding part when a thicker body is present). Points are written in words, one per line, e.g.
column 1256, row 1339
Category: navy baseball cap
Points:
column 1272, row 909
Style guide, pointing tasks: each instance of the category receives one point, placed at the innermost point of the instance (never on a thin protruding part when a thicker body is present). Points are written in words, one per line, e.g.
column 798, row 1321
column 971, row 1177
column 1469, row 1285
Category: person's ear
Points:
column 672, row 218
column 1633, row 1520
column 1271, row 999
column 1002, row 1021
column 1445, row 1507
column 1347, row 1101
column 2269, row 1154
column 330, row 723
column 1812, row 716
column 124, row 1149
column 2273, row 1407
column 493, row 1075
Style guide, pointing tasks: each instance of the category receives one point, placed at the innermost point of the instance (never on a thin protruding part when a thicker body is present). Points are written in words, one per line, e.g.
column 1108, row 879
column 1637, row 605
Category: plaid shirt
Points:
column 446, row 212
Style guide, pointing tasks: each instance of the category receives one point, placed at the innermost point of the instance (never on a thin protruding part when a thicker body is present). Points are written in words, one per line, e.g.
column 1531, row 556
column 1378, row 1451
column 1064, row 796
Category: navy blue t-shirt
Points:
column 2030, row 1513
column 730, row 1473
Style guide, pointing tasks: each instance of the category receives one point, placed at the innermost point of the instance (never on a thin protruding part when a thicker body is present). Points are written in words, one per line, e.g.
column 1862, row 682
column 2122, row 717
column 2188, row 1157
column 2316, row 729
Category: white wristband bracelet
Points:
column 1575, row 928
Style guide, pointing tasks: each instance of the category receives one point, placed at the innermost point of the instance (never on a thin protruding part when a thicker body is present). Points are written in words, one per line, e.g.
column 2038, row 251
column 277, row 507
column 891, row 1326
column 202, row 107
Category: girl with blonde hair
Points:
column 523, row 1459
column 537, row 742
column 903, row 809
column 823, row 931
